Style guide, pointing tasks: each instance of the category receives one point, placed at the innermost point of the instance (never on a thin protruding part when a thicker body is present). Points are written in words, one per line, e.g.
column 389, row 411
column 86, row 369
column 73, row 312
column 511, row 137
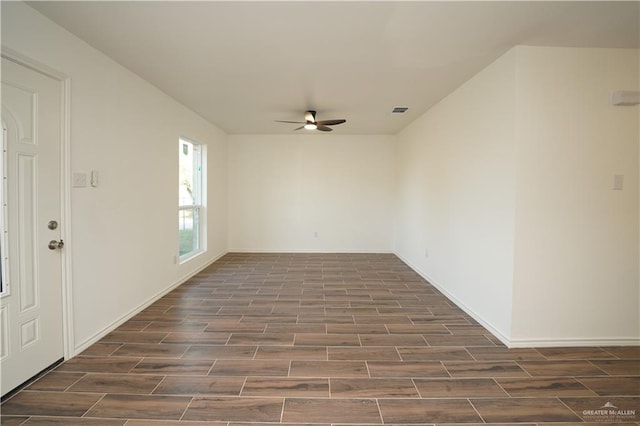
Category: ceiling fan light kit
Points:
column 310, row 122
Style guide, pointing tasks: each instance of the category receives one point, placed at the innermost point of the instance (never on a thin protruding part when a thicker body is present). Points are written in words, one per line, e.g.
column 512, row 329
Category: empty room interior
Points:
column 320, row 212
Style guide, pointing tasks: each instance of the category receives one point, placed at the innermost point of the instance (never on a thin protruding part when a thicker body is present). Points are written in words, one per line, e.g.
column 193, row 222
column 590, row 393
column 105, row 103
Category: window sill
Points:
column 189, row 256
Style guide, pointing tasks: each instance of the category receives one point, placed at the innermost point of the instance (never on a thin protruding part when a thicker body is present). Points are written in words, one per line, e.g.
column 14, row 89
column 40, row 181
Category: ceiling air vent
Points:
column 400, row 110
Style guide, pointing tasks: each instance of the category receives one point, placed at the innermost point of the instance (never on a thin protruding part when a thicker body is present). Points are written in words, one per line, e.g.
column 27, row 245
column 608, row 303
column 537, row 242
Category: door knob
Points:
column 53, row 244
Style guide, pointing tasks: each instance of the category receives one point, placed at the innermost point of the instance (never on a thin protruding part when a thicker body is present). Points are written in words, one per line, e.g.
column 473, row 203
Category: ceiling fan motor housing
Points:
column 310, row 122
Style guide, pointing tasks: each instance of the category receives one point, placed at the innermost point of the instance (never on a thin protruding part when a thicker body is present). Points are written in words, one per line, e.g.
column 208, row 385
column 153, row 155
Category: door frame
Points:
column 65, row 184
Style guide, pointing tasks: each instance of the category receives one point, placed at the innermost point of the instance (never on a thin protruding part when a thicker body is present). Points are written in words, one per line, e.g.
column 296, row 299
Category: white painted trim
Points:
column 65, row 185
column 524, row 343
column 126, row 317
column 555, row 343
column 504, row 339
column 310, row 251
column 35, row 65
column 68, row 255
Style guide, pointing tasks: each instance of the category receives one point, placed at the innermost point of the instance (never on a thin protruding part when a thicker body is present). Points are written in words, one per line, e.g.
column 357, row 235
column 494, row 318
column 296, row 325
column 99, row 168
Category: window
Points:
column 190, row 200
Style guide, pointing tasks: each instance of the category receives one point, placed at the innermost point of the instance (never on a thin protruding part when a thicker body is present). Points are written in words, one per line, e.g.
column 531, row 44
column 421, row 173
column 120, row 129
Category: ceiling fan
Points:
column 310, row 122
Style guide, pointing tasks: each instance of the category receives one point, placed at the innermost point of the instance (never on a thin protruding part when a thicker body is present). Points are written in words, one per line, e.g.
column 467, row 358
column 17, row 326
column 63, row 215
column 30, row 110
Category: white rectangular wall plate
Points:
column 78, row 179
column 94, row 178
column 625, row 97
column 618, row 182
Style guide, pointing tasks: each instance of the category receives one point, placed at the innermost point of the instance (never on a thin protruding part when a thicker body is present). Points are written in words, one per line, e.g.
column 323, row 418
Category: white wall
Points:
column 124, row 233
column 576, row 252
column 285, row 188
column 455, row 194
column 508, row 184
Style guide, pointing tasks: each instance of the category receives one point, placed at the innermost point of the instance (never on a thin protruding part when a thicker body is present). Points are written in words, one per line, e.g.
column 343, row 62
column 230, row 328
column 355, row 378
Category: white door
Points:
column 31, row 337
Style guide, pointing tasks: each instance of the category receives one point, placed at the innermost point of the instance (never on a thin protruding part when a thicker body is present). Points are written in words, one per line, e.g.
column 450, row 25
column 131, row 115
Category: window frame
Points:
column 198, row 206
column 5, row 285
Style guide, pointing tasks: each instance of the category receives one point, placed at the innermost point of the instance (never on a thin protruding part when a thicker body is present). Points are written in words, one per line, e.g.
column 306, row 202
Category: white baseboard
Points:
column 524, row 343
column 511, row 343
column 504, row 339
column 556, row 343
column 312, row 251
column 126, row 317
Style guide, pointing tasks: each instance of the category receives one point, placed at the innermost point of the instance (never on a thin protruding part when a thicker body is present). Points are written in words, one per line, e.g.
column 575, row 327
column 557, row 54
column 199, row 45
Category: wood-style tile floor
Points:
column 322, row 339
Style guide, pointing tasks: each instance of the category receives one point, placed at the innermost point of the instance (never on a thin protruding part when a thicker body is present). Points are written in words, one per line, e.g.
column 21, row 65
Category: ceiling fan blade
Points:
column 298, row 128
column 330, row 122
column 310, row 116
column 293, row 122
column 324, row 128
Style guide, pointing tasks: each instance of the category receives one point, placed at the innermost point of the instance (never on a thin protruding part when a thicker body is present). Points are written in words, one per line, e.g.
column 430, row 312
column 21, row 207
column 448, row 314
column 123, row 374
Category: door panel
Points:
column 31, row 301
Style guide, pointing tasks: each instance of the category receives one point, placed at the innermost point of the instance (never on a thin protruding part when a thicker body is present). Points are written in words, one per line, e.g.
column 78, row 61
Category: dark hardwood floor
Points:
column 322, row 339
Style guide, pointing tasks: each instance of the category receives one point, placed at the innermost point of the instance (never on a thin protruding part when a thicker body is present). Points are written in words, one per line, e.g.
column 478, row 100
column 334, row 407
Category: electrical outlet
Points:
column 315, row 234
column 426, row 252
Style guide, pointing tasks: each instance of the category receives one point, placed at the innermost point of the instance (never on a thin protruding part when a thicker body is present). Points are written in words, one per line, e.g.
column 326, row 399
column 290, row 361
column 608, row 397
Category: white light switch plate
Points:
column 94, row 178
column 618, row 182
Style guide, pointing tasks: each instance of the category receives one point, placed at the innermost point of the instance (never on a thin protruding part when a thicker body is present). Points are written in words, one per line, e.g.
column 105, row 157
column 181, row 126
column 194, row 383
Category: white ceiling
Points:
column 243, row 64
